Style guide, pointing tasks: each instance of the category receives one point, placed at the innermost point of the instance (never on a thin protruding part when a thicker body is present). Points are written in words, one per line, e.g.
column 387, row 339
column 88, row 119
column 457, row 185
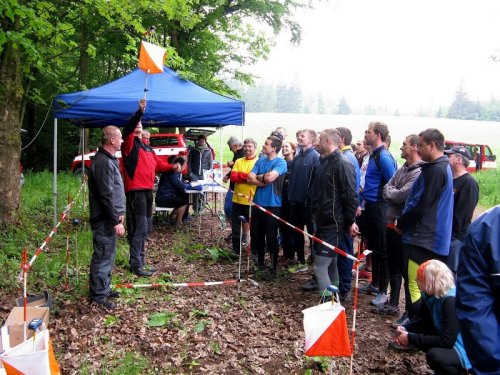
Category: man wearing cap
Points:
column 465, row 198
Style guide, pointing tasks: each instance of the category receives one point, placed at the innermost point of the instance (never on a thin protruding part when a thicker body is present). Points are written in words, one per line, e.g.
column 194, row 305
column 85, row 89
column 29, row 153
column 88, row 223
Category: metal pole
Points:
column 54, row 192
column 83, row 166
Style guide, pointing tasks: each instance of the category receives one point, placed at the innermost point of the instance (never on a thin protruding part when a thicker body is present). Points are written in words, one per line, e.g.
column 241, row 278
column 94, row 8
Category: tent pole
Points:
column 222, row 198
column 54, row 192
column 82, row 135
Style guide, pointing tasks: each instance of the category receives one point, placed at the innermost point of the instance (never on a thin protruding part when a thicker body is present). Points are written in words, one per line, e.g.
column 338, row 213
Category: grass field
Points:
column 259, row 125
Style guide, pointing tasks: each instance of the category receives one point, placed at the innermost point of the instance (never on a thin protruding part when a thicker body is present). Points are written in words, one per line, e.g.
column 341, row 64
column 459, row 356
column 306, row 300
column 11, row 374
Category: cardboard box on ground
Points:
column 15, row 325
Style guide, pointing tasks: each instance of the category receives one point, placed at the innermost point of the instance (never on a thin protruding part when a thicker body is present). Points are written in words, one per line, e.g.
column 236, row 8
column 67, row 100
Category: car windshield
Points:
column 164, row 141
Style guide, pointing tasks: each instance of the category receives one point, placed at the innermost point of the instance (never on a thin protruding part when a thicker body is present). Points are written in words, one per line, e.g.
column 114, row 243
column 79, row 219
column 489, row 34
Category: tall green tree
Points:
column 57, row 46
column 343, row 108
column 463, row 108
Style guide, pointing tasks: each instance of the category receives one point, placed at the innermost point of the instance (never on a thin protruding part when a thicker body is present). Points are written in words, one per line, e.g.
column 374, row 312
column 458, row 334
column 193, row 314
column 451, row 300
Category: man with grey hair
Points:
column 334, row 202
column 465, row 198
column 107, row 210
column 236, row 147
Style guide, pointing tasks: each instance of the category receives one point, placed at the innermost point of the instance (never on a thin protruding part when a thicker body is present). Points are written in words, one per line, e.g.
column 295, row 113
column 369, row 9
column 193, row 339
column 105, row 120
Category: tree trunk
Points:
column 11, row 96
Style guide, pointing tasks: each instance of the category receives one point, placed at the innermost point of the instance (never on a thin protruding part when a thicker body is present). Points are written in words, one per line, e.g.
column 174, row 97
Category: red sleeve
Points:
column 161, row 165
column 239, row 177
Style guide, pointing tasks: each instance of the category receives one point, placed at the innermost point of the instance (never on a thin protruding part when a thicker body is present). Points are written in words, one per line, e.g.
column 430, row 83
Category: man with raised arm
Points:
column 140, row 165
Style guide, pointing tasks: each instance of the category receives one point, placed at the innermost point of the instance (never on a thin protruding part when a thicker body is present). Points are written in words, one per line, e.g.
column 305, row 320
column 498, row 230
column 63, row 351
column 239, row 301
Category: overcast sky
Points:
column 397, row 53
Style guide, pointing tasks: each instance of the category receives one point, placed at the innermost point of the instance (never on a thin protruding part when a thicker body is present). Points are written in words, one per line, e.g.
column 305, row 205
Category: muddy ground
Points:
column 226, row 329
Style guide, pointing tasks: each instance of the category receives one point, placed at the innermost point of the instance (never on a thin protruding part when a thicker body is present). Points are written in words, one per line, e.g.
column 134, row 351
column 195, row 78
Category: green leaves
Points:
column 161, row 319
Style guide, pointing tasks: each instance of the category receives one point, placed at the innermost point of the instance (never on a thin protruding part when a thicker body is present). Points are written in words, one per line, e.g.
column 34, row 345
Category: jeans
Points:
column 237, row 211
column 103, row 258
column 344, row 264
column 139, row 220
column 228, row 205
column 452, row 259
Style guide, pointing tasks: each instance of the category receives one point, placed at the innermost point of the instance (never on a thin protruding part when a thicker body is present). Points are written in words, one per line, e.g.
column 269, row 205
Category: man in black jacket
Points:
column 334, row 204
column 107, row 209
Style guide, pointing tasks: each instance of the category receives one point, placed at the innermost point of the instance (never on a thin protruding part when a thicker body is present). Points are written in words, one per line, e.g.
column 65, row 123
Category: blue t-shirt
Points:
column 378, row 174
column 270, row 195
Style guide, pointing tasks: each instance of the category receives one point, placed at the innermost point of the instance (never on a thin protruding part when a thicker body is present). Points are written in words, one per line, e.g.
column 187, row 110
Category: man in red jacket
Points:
column 140, row 165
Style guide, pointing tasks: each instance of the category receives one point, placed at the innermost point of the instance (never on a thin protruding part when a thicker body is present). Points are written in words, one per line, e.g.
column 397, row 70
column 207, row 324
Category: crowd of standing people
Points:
column 414, row 218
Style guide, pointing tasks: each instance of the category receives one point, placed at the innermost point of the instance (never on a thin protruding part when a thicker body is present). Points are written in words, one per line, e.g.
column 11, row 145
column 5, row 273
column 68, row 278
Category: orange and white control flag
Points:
column 325, row 328
column 151, row 58
column 33, row 356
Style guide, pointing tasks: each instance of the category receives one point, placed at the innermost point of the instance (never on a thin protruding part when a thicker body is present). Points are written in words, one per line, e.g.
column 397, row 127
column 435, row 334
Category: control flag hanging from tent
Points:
column 325, row 328
column 151, row 58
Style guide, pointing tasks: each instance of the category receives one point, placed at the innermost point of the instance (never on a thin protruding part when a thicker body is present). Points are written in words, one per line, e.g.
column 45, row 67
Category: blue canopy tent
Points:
column 171, row 102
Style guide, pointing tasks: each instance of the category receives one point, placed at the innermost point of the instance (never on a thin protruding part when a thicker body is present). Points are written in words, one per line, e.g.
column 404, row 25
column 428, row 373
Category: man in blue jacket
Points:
column 379, row 171
column 478, row 293
column 301, row 179
column 426, row 220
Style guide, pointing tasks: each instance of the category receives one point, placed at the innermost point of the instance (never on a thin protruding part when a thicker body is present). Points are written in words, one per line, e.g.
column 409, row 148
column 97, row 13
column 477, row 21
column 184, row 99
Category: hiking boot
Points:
column 402, row 348
column 386, row 310
column 380, row 299
column 310, row 285
column 368, row 289
column 299, row 267
column 344, row 297
column 150, row 268
column 105, row 304
column 404, row 319
column 113, row 294
column 142, row 272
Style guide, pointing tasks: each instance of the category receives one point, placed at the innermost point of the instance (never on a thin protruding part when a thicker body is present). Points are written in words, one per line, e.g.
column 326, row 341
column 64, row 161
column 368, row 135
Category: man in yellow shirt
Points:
column 241, row 204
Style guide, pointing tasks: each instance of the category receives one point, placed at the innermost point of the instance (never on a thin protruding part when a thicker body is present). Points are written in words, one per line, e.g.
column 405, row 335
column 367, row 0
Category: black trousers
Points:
column 375, row 220
column 444, row 361
column 139, row 222
column 264, row 231
column 300, row 216
column 397, row 259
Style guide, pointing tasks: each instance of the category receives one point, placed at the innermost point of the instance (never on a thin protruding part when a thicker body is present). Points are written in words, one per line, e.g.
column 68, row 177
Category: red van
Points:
column 482, row 157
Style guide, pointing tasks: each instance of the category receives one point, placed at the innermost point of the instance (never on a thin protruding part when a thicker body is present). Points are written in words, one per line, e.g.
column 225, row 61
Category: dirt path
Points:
column 229, row 329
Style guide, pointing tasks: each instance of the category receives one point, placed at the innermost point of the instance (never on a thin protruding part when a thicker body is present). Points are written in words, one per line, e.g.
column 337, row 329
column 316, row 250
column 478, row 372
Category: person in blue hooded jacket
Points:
column 171, row 192
column 478, row 293
column 434, row 329
column 426, row 220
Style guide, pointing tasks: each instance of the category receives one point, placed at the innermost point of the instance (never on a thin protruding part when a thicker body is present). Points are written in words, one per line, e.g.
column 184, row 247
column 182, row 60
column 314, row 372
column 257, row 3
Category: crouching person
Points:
column 435, row 328
column 171, row 192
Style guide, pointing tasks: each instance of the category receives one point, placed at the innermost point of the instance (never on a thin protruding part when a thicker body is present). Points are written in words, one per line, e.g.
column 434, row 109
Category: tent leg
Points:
column 54, row 192
column 83, row 165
